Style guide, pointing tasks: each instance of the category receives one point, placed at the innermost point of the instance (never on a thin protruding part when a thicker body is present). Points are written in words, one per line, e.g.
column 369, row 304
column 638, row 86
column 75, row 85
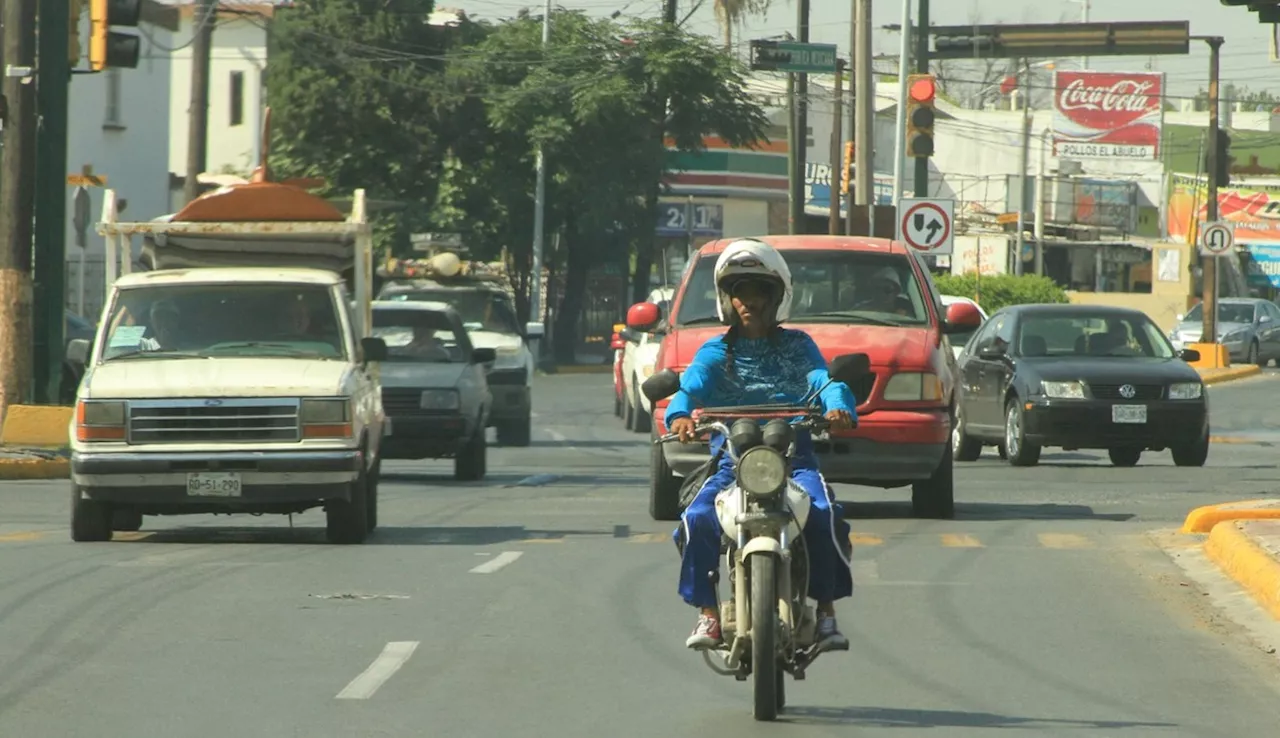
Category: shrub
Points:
column 999, row 290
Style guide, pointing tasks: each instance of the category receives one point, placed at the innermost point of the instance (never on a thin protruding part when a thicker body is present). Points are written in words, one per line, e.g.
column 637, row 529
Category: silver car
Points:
column 1249, row 327
column 434, row 389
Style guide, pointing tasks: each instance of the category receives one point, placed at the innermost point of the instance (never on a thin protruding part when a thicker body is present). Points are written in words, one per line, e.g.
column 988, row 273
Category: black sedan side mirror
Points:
column 1189, row 355
column 661, row 385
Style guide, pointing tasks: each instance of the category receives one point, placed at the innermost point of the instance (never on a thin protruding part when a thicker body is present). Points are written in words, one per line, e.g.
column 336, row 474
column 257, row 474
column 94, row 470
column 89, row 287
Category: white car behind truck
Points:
column 216, row 388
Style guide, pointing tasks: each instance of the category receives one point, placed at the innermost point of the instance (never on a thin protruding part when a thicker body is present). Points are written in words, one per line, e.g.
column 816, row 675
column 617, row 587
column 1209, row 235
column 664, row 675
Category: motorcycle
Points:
column 769, row 627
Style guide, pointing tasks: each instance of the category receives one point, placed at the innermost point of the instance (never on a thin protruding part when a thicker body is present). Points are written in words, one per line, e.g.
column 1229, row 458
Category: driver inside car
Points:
column 758, row 361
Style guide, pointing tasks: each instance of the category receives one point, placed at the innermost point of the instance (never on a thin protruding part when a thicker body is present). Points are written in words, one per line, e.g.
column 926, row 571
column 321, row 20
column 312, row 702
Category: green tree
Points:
column 355, row 91
column 995, row 291
column 593, row 101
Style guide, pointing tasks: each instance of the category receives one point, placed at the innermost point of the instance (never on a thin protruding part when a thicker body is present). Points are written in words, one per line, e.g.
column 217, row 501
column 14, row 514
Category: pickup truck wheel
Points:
column 642, row 422
column 371, row 517
column 90, row 520
column 935, row 497
column 518, row 432
column 347, row 521
column 664, row 486
column 471, row 463
column 126, row 520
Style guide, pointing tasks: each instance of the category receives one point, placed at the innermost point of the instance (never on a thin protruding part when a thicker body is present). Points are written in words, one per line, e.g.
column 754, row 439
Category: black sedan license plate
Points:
column 1128, row 413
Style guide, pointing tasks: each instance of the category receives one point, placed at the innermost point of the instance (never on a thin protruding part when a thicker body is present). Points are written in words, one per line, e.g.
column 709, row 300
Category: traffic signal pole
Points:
column 1209, row 334
column 198, row 113
column 17, row 200
column 922, row 67
column 50, row 261
column 864, row 114
column 833, row 222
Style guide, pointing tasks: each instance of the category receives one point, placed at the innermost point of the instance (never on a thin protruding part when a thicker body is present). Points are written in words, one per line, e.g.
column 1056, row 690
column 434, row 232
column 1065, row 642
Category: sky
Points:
column 1245, row 54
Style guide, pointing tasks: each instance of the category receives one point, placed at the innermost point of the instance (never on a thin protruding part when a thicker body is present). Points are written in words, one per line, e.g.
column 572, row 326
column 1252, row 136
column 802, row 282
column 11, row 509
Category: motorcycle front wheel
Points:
column 766, row 676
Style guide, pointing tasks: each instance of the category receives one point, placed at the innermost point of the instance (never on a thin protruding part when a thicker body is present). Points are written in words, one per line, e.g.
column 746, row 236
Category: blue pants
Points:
column 829, row 575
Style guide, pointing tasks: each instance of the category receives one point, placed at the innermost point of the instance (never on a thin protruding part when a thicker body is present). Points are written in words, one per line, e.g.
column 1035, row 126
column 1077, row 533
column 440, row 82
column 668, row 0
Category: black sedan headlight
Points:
column 762, row 472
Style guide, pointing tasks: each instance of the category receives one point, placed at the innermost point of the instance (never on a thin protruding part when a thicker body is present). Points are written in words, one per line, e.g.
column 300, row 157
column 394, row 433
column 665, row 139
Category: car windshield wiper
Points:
column 159, row 354
column 853, row 315
column 700, row 321
column 274, row 346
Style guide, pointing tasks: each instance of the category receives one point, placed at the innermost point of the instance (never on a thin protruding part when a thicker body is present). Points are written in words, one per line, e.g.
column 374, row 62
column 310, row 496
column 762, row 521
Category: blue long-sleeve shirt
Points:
column 784, row 369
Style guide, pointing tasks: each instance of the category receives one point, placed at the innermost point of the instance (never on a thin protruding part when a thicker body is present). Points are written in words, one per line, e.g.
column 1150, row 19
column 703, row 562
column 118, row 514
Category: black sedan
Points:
column 1078, row 376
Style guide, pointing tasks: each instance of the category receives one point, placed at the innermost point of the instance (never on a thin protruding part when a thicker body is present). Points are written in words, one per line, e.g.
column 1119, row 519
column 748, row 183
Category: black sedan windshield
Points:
column 1092, row 334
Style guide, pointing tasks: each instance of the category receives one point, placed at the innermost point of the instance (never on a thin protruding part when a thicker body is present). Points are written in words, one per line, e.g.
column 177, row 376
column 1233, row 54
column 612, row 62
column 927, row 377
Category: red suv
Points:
column 905, row 404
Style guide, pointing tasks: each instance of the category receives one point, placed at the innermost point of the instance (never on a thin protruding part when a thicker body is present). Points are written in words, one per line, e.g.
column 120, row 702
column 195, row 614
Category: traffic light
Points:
column 847, row 168
column 921, row 89
column 106, row 47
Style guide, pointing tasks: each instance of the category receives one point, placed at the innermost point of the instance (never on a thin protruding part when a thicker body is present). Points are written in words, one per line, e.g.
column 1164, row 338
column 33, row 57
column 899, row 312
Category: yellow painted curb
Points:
column 36, row 426
column 1204, row 519
column 1216, row 376
column 35, row 469
column 1244, row 560
column 1242, row 440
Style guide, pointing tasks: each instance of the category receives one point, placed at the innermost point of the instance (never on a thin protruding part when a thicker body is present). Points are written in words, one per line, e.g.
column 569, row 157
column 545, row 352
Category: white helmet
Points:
column 748, row 258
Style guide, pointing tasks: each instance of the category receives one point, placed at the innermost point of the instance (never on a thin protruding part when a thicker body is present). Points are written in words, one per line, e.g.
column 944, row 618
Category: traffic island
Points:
column 34, row 442
column 1217, row 375
column 1244, row 542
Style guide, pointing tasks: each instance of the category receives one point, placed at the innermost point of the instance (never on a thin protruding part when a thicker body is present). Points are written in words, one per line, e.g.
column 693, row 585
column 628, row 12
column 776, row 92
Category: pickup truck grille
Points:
column 213, row 420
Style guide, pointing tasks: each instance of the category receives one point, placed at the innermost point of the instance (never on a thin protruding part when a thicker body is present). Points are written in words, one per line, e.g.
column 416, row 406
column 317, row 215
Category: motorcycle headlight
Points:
column 762, row 472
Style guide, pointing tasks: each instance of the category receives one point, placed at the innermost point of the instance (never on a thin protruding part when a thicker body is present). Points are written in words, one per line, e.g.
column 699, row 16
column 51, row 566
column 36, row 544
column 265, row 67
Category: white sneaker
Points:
column 829, row 637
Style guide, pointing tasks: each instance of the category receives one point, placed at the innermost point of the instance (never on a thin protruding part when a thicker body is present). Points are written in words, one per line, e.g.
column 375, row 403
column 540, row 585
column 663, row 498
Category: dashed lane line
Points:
column 393, row 656
column 498, row 562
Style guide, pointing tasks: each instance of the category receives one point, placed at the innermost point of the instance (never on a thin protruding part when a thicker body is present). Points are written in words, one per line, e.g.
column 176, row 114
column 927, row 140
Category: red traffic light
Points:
column 922, row 89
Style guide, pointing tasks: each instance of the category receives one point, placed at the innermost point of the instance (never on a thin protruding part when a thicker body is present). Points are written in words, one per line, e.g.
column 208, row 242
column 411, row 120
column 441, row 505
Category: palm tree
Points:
column 732, row 13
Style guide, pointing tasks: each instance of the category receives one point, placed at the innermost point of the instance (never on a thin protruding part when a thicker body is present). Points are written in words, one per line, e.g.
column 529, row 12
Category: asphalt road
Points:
column 542, row 602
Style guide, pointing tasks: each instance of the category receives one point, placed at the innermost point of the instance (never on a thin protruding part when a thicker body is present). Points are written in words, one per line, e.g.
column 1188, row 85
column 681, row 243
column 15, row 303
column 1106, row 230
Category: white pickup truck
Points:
column 239, row 376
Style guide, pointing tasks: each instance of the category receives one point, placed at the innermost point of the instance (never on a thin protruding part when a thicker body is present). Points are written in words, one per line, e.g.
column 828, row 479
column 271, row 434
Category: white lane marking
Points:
column 393, row 656
column 497, row 562
column 865, row 571
column 556, row 435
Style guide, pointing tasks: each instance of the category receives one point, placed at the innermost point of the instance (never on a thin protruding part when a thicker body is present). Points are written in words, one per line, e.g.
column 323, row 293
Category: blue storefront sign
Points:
column 1264, row 265
column 674, row 219
column 817, row 188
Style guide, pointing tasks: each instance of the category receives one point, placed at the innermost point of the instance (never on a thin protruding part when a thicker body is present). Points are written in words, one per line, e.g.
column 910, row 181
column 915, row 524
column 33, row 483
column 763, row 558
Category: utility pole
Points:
column 900, row 132
column 1023, row 157
column 922, row 67
column 800, row 162
column 833, row 225
column 795, row 175
column 539, row 212
column 1209, row 334
column 17, row 201
column 198, row 114
column 50, row 257
column 864, row 104
column 853, row 129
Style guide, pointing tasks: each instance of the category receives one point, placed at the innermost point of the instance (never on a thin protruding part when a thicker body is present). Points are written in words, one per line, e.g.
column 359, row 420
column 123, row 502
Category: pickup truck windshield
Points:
column 224, row 320
column 481, row 310
column 828, row 286
column 420, row 336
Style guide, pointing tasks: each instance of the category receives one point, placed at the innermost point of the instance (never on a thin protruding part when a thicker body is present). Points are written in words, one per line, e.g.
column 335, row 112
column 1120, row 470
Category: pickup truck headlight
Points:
column 762, row 472
column 325, row 418
column 100, row 420
column 1185, row 391
column 439, row 400
column 913, row 387
column 508, row 358
column 1063, row 390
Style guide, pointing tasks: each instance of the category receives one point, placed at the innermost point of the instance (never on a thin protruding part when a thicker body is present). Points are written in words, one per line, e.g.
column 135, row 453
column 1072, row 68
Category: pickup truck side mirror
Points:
column 78, row 351
column 992, row 352
column 374, row 348
column 484, row 355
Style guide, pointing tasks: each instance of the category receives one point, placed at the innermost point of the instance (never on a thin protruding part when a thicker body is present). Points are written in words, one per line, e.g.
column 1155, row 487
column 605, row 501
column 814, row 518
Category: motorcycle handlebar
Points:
column 816, row 423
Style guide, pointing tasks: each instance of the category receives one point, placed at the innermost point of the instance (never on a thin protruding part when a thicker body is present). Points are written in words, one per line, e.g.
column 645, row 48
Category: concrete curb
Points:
column 34, row 468
column 1229, row 374
column 1205, row 519
column 1234, row 546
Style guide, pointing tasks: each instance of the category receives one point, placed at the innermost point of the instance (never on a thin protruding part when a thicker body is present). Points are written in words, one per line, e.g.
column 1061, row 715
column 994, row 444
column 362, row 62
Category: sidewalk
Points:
column 1227, row 374
column 1243, row 539
column 34, row 443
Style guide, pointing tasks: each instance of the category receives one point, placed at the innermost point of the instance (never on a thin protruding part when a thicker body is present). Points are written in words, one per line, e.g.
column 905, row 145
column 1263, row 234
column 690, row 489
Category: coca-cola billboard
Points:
column 1107, row 115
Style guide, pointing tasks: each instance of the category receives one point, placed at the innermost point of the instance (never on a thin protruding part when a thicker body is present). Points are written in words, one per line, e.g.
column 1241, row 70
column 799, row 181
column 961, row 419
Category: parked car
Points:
column 639, row 357
column 1079, row 377
column 958, row 339
column 617, row 344
column 434, row 387
column 1249, row 327
column 905, row 402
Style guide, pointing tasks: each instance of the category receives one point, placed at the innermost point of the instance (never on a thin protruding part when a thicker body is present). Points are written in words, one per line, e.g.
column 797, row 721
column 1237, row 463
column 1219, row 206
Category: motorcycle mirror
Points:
column 848, row 368
column 661, row 385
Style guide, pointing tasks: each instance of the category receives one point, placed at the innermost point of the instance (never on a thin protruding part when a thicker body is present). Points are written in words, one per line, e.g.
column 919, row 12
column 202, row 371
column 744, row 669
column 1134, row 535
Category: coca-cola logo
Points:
column 1107, row 101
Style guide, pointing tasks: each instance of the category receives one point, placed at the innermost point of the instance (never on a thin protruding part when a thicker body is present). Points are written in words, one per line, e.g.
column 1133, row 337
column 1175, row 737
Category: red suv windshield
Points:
column 828, row 286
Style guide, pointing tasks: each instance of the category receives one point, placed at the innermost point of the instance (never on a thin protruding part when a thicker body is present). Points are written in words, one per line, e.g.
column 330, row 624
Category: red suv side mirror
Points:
column 962, row 316
column 643, row 316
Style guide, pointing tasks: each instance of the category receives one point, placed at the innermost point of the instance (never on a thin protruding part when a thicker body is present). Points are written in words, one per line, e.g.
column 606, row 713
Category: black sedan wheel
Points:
column 1194, row 453
column 1020, row 453
column 963, row 446
column 1125, row 456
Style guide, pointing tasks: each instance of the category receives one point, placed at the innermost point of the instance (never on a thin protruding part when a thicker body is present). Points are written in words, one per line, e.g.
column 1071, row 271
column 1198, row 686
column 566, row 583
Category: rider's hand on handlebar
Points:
column 683, row 428
column 840, row 419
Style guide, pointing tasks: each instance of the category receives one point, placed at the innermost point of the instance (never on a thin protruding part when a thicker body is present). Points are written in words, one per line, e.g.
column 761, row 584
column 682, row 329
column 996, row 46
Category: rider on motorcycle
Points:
column 758, row 361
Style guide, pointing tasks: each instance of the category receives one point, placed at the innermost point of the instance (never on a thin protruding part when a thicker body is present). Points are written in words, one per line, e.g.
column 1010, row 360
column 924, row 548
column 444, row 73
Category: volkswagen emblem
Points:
column 1127, row 391
column 215, row 402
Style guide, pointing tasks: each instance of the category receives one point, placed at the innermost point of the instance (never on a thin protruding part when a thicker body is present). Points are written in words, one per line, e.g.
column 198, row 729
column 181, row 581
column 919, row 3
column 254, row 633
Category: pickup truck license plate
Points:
column 1128, row 413
column 213, row 484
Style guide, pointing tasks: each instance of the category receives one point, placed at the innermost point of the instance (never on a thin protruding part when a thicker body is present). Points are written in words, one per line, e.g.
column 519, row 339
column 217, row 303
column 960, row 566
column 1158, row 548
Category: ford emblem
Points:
column 215, row 403
column 1127, row 391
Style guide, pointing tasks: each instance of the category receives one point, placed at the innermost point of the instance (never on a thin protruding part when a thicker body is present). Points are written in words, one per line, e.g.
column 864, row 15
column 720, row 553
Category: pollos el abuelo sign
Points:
column 1107, row 115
